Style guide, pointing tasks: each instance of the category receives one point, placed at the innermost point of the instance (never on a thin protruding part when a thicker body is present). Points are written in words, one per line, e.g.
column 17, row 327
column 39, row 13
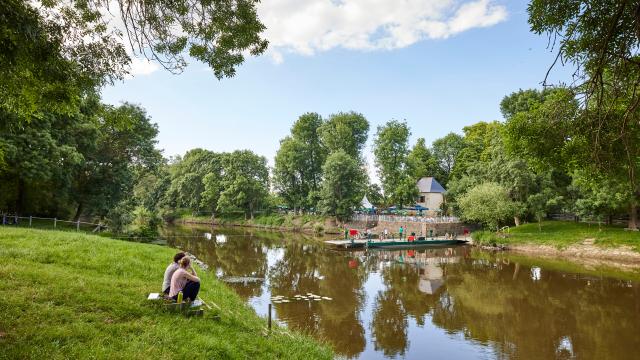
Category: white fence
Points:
column 49, row 223
column 401, row 218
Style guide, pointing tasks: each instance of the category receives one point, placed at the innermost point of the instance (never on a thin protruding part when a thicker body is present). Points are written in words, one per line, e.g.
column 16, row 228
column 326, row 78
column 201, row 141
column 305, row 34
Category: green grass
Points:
column 70, row 295
column 562, row 234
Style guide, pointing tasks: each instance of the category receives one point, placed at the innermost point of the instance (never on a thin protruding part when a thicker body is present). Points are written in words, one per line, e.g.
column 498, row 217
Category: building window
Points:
column 421, row 199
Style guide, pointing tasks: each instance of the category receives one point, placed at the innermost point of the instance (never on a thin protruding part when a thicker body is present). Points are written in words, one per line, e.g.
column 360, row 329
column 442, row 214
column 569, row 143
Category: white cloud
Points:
column 141, row 66
column 310, row 26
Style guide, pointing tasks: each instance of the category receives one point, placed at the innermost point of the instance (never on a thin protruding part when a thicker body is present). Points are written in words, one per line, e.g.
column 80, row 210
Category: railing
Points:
column 402, row 218
column 49, row 223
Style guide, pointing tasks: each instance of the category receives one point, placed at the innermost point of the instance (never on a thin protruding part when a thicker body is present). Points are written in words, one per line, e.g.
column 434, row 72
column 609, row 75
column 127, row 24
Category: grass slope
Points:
column 562, row 234
column 68, row 295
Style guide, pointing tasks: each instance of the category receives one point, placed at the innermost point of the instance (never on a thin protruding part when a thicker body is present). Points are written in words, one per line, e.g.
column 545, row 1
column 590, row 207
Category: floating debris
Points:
column 241, row 279
column 317, row 299
column 326, row 298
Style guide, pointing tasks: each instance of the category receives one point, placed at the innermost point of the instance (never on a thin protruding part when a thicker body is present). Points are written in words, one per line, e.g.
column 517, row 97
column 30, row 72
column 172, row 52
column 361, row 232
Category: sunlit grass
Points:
column 562, row 234
column 68, row 295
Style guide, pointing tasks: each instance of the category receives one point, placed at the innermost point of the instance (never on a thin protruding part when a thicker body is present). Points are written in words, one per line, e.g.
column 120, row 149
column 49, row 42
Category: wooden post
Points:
column 30, row 219
column 55, row 221
column 78, row 225
column 269, row 317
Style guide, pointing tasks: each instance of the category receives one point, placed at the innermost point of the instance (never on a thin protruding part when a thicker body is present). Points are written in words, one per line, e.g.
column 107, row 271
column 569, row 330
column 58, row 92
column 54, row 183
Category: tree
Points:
column 487, row 203
column 391, row 149
column 345, row 131
column 289, row 173
column 374, row 195
column 305, row 130
column 245, row 182
column 298, row 163
column 212, row 185
column 421, row 163
column 343, row 185
column 446, row 150
column 187, row 175
column 596, row 36
column 125, row 145
column 406, row 192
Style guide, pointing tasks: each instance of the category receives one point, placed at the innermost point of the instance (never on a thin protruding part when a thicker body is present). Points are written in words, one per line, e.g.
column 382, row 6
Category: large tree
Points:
column 52, row 51
column 343, row 185
column 298, row 163
column 187, row 180
column 446, row 150
column 391, row 146
column 421, row 162
column 347, row 132
column 245, row 182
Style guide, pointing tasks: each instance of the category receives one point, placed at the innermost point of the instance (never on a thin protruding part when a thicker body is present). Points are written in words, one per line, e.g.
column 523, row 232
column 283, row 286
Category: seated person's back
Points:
column 186, row 280
column 168, row 273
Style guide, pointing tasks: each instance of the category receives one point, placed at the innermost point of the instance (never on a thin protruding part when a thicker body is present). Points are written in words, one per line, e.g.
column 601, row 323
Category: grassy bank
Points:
column 561, row 234
column 318, row 224
column 68, row 295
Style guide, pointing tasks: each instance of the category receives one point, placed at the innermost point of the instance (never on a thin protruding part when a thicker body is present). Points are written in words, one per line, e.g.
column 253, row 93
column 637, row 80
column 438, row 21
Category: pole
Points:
column 55, row 220
column 30, row 218
column 78, row 225
column 269, row 316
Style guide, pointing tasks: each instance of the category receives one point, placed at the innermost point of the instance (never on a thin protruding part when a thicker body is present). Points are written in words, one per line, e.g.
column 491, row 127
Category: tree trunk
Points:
column 213, row 217
column 516, row 219
column 79, row 209
column 633, row 216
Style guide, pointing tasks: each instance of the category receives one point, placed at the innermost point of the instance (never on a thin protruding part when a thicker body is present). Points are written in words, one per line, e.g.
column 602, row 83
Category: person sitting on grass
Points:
column 168, row 273
column 186, row 280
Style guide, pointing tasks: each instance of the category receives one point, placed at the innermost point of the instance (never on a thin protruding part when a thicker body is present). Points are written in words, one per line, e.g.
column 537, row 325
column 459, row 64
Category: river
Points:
column 449, row 303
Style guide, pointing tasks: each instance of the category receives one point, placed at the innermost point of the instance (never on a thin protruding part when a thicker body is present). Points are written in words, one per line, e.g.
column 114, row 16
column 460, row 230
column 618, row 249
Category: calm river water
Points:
column 450, row 303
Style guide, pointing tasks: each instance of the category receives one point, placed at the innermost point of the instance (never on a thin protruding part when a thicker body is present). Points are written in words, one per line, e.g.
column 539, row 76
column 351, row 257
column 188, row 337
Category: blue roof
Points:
column 430, row 185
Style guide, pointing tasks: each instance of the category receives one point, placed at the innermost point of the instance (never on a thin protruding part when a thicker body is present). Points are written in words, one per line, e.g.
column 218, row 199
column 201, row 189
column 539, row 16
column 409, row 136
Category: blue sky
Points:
column 437, row 81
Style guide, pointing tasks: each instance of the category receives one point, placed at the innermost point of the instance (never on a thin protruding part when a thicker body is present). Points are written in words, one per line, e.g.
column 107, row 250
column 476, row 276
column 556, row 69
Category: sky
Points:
column 438, row 64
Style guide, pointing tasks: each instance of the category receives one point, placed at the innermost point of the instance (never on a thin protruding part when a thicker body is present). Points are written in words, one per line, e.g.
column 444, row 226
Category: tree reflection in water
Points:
column 519, row 310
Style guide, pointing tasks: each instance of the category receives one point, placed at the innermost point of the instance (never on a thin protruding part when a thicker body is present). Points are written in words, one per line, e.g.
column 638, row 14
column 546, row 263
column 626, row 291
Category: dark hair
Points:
column 178, row 256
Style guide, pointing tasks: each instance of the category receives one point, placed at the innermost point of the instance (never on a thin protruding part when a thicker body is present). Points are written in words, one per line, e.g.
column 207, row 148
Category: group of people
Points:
column 180, row 276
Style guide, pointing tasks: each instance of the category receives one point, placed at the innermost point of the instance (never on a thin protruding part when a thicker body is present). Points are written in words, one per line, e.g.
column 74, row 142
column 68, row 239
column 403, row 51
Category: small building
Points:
column 431, row 193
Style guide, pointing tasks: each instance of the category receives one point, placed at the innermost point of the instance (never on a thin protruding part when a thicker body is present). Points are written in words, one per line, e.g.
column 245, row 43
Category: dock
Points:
column 377, row 243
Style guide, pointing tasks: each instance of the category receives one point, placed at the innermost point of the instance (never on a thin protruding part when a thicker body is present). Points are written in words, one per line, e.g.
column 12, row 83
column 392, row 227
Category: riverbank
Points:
column 309, row 224
column 586, row 243
column 70, row 295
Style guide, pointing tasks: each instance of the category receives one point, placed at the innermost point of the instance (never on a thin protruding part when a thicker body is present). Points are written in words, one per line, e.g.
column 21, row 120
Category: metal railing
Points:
column 49, row 223
column 403, row 218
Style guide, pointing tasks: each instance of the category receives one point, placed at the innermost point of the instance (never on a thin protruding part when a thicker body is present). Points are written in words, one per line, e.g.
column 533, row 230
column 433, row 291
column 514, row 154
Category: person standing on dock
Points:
column 386, row 233
column 401, row 231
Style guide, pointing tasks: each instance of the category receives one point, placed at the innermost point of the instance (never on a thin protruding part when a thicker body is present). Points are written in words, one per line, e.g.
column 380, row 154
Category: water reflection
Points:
column 437, row 303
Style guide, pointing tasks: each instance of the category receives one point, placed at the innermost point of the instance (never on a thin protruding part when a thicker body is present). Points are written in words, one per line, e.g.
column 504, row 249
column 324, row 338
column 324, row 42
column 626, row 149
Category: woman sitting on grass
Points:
column 186, row 280
column 168, row 273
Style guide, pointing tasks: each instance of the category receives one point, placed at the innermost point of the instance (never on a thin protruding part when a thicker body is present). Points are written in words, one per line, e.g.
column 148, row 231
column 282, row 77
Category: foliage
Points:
column 85, row 163
column 487, row 203
column 342, row 188
column 245, row 182
column 446, row 151
column 374, row 195
column 345, row 131
column 298, row 163
column 421, row 163
column 390, row 147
